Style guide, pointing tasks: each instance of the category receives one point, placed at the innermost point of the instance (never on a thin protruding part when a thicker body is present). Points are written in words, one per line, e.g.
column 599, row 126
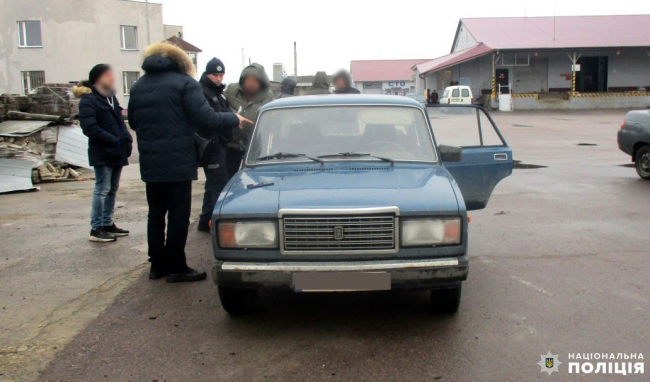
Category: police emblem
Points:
column 219, row 68
column 549, row 363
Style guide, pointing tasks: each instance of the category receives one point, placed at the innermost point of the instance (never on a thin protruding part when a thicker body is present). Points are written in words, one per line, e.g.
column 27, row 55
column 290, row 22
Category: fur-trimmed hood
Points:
column 163, row 56
column 84, row 87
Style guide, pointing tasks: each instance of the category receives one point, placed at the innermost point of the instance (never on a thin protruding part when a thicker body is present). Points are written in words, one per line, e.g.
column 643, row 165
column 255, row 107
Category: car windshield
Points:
column 390, row 133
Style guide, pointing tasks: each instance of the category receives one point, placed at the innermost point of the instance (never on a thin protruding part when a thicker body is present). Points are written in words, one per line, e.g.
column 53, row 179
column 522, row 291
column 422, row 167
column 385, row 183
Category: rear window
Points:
column 455, row 93
column 465, row 93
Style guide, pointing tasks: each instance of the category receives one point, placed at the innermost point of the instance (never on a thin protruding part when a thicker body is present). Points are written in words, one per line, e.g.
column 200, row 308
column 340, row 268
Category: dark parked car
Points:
column 634, row 139
column 355, row 193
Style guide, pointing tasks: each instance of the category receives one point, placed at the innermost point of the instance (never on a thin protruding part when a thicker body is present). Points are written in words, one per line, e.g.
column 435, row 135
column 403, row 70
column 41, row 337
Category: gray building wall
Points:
column 464, row 39
column 76, row 34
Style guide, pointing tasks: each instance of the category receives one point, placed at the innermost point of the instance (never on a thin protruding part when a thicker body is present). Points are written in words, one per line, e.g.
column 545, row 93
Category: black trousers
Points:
column 216, row 177
column 233, row 160
column 174, row 201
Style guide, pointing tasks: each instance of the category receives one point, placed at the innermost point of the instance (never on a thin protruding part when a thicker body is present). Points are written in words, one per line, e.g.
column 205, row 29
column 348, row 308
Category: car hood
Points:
column 414, row 189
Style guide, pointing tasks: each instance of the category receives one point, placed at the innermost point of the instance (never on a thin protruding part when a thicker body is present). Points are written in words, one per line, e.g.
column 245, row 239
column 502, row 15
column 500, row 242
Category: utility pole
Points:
column 146, row 5
column 295, row 61
column 243, row 60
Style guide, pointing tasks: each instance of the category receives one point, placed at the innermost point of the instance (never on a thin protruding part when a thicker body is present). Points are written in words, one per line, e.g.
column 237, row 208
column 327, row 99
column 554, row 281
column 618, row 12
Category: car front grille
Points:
column 339, row 234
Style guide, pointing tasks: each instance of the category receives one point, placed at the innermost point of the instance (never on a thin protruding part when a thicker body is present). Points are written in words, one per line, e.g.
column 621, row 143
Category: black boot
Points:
column 101, row 236
column 112, row 229
column 188, row 276
column 157, row 271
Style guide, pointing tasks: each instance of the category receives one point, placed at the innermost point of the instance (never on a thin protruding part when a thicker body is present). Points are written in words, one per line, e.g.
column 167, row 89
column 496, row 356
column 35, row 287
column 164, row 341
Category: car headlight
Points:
column 430, row 231
column 248, row 234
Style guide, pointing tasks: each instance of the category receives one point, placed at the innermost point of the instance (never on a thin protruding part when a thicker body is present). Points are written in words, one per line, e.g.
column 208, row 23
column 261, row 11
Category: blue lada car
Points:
column 355, row 193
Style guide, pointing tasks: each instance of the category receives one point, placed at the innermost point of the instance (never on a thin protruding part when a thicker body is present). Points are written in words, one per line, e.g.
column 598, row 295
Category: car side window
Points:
column 463, row 127
column 454, row 93
column 465, row 93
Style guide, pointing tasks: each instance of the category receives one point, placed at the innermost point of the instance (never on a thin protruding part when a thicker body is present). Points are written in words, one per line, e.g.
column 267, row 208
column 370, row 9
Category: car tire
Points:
column 238, row 301
column 642, row 162
column 446, row 301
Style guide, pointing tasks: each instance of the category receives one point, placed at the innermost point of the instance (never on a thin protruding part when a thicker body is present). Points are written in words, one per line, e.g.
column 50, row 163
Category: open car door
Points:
column 485, row 157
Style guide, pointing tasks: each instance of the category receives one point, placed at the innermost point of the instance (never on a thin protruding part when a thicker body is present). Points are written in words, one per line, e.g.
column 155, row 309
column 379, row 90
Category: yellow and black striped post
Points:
column 494, row 76
column 573, row 80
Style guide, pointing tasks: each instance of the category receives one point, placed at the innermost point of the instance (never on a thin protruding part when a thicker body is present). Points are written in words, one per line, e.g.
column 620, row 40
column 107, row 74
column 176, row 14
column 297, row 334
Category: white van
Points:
column 458, row 94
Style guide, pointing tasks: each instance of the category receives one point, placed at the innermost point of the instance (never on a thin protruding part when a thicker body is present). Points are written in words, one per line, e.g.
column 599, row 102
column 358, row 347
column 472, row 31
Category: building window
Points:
column 129, row 79
column 29, row 34
column 193, row 58
column 32, row 80
column 129, row 37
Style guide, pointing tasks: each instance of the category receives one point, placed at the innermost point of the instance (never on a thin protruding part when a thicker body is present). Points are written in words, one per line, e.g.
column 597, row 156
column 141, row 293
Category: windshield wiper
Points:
column 352, row 154
column 281, row 155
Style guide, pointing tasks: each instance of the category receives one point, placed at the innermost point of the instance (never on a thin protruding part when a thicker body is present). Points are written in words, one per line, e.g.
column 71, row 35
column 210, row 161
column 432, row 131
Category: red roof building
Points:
column 539, row 55
column 384, row 76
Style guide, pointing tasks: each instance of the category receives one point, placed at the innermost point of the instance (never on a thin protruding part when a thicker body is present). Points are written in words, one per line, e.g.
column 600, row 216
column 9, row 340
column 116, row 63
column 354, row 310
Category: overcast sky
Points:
column 330, row 33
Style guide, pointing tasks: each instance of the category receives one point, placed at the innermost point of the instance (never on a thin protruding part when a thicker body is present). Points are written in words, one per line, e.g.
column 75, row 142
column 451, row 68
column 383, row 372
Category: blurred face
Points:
column 217, row 79
column 251, row 85
column 340, row 83
column 106, row 82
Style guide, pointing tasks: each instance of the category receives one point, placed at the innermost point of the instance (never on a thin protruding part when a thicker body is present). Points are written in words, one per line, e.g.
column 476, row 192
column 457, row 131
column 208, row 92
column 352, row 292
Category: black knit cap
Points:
column 215, row 66
column 97, row 72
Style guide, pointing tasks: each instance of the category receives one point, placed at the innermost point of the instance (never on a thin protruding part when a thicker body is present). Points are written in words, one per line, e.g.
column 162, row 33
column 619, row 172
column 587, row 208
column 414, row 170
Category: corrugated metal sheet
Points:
column 444, row 62
column 15, row 175
column 561, row 32
column 383, row 70
column 72, row 146
column 21, row 128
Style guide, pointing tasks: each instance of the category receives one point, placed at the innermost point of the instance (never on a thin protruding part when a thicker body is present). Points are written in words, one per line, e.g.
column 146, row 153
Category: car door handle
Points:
column 501, row 156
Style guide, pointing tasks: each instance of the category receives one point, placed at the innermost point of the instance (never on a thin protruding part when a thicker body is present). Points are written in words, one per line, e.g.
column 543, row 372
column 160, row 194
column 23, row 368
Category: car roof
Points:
column 341, row 100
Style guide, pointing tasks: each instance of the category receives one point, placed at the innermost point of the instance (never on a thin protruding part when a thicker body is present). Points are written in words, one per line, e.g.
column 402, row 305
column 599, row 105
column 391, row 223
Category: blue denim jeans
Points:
column 107, row 181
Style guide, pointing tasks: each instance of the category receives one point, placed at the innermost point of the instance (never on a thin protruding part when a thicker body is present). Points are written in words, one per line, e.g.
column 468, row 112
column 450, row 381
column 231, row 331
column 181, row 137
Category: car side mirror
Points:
column 450, row 153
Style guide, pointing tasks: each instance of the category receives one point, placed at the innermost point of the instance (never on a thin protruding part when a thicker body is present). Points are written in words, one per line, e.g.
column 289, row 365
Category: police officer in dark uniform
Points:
column 214, row 158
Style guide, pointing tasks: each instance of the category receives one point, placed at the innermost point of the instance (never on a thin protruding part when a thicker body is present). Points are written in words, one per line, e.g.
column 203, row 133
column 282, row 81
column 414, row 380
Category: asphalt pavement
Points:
column 559, row 262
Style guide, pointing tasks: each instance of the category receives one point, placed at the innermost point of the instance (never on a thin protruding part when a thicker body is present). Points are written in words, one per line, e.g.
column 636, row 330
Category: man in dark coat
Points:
column 109, row 147
column 214, row 156
column 287, row 88
column 321, row 84
column 434, row 98
column 166, row 109
column 246, row 97
column 343, row 83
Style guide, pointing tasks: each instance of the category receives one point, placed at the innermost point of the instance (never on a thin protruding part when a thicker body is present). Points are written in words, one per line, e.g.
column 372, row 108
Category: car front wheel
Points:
column 238, row 301
column 642, row 162
column 446, row 301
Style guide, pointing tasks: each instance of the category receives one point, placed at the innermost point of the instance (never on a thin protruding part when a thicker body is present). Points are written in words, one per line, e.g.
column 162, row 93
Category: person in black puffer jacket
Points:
column 166, row 109
column 109, row 147
column 214, row 157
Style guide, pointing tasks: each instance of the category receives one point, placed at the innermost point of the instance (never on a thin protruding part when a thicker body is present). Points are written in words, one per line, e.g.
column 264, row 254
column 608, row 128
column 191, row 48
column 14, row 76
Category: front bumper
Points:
column 405, row 274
